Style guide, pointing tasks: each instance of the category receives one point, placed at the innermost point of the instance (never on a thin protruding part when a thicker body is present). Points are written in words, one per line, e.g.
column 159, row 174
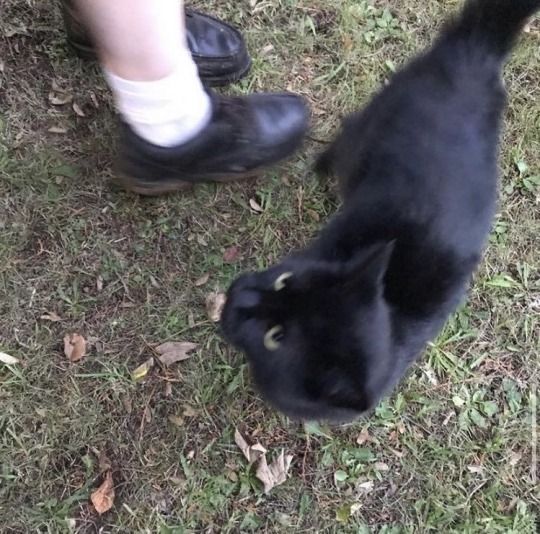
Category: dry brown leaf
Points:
column 58, row 129
column 215, row 302
column 251, row 452
column 381, row 466
column 190, row 412
column 176, row 420
column 140, row 372
column 202, row 280
column 147, row 414
column 94, row 100
column 103, row 497
column 51, row 316
column 126, row 402
column 363, row 437
column 74, row 347
column 59, row 99
column 231, row 254
column 7, row 359
column 77, row 109
column 475, row 468
column 365, row 487
column 174, row 351
column 274, row 474
column 255, row 206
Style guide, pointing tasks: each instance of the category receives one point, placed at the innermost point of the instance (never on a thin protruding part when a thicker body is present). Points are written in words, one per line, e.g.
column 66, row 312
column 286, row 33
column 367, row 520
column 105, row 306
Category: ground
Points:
column 451, row 451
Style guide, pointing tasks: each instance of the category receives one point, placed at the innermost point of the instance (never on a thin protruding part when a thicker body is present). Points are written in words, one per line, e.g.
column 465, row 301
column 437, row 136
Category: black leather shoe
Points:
column 244, row 135
column 219, row 50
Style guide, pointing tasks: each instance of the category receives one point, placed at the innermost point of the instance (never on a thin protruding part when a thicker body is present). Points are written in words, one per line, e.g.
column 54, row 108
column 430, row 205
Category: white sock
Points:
column 166, row 112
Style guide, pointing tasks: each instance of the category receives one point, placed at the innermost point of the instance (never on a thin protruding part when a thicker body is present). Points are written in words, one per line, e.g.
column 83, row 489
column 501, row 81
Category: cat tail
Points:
column 494, row 23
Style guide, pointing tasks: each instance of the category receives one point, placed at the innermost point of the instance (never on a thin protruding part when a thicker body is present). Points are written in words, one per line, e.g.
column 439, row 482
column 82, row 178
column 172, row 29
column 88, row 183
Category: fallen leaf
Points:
column 103, row 497
column 7, row 359
column 215, row 302
column 343, row 513
column 57, row 129
column 74, row 347
column 126, row 401
column 231, row 254
column 147, row 414
column 255, row 206
column 176, row 420
column 381, row 466
column 202, row 280
column 51, row 316
column 77, row 109
column 314, row 428
column 140, row 372
column 274, row 474
column 251, row 453
column 365, row 487
column 173, row 351
column 363, row 437
column 94, row 100
column 475, row 468
column 59, row 99
column 190, row 412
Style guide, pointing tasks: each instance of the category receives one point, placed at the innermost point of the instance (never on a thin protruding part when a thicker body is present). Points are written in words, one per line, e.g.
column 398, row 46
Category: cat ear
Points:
column 371, row 264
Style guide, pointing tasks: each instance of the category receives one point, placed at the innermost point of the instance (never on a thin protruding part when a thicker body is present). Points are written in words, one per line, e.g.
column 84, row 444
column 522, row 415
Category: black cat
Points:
column 332, row 328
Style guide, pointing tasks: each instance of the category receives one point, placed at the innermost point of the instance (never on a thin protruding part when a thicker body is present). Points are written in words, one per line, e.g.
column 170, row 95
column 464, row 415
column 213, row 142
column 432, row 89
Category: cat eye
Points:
column 281, row 280
column 273, row 338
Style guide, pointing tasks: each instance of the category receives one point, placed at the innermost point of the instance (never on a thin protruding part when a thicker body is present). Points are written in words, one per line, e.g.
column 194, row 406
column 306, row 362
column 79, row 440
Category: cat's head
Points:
column 316, row 333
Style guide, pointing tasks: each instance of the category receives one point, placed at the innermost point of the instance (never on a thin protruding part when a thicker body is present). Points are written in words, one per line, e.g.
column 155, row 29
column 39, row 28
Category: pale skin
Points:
column 137, row 40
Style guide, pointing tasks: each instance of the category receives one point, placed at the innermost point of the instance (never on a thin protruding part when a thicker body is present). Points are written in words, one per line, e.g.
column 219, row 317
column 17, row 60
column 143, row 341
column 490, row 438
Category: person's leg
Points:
column 218, row 49
column 143, row 50
column 173, row 133
column 137, row 39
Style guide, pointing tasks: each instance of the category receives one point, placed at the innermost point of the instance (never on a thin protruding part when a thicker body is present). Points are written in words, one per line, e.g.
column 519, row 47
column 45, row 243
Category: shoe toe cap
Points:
column 282, row 120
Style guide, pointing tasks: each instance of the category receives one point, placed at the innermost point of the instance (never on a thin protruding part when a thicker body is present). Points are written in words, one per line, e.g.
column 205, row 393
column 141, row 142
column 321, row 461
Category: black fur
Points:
column 418, row 171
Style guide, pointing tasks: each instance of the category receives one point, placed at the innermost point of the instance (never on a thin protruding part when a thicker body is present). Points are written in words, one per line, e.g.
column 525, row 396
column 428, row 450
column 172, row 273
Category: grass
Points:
column 450, row 451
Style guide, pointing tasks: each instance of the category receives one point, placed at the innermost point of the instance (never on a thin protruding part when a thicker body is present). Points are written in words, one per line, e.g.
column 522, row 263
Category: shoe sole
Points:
column 135, row 185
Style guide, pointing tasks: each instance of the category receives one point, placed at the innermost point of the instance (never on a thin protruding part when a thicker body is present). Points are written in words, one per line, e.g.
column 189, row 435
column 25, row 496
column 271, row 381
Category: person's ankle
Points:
column 165, row 112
